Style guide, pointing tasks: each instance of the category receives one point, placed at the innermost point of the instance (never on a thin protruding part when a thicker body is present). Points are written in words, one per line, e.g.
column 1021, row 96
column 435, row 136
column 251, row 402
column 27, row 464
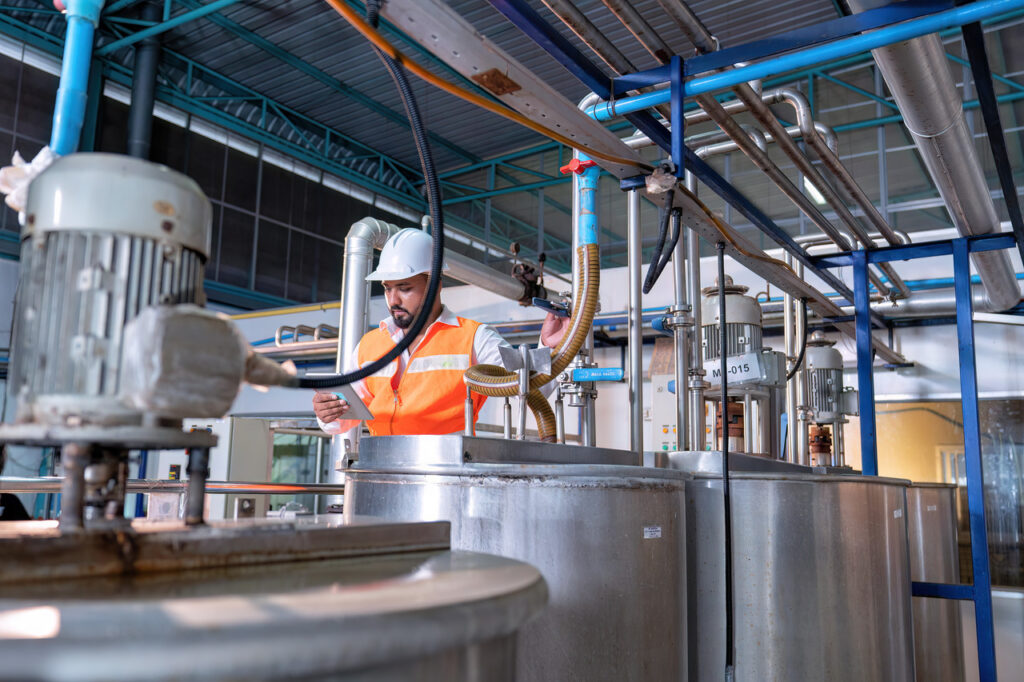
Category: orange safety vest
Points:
column 430, row 396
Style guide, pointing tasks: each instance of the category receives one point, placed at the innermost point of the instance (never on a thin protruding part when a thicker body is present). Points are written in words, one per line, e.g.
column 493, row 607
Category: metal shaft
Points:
column 74, row 458
column 803, row 449
column 524, row 388
column 634, row 311
column 508, row 419
column 695, row 394
column 469, row 412
column 838, row 456
column 748, row 424
column 559, row 415
column 198, row 472
column 680, row 340
column 789, row 330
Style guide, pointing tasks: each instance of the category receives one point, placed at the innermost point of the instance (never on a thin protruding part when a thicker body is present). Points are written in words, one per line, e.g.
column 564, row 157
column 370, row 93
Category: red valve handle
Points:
column 577, row 166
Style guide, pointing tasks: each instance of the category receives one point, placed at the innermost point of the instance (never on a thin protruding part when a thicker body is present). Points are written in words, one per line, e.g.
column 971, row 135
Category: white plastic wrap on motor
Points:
column 182, row 361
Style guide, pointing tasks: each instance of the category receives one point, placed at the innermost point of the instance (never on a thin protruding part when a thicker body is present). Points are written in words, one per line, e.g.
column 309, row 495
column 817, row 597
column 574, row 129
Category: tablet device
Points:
column 357, row 408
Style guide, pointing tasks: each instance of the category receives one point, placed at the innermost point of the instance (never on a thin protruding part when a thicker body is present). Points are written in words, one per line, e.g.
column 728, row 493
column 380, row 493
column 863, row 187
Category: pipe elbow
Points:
column 366, row 234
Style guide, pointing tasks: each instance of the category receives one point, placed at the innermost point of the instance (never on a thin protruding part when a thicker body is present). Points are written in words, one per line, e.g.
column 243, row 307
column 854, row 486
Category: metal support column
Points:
column 635, row 325
column 972, row 456
column 865, row 364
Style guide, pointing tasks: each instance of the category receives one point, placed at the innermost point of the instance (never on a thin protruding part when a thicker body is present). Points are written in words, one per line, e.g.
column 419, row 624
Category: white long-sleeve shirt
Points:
column 485, row 352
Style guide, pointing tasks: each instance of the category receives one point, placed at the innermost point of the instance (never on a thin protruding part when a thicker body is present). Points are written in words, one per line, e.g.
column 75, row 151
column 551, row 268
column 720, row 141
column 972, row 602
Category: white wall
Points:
column 932, row 348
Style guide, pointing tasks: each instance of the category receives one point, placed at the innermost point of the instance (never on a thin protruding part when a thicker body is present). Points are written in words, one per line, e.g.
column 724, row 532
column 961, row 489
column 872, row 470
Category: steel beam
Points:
column 165, row 26
column 431, row 21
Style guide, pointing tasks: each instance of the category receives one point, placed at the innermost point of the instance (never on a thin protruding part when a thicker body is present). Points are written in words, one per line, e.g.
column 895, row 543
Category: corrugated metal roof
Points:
column 312, row 32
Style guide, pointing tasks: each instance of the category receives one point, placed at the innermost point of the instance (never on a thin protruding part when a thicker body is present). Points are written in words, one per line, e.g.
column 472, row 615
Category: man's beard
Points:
column 402, row 322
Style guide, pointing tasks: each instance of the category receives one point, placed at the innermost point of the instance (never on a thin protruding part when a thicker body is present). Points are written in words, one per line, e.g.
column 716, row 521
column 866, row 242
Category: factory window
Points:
column 923, row 441
column 293, row 223
column 25, row 112
column 294, row 460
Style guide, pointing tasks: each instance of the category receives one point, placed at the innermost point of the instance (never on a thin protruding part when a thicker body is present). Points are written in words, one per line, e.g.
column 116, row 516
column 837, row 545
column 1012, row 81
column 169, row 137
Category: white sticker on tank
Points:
column 933, row 507
column 652, row 532
column 897, row 513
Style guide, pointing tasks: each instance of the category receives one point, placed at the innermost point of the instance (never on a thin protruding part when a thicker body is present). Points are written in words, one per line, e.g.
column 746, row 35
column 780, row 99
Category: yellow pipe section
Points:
column 492, row 380
column 270, row 312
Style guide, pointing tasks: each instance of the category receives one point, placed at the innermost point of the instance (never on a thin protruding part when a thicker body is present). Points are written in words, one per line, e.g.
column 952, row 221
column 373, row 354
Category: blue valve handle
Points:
column 658, row 325
column 582, row 374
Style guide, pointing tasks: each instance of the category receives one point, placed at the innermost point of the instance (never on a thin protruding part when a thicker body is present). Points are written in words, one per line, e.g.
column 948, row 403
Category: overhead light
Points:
column 813, row 192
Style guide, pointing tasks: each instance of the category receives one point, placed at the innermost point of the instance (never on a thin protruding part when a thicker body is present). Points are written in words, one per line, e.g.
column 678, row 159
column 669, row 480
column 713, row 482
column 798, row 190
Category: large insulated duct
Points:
column 919, row 78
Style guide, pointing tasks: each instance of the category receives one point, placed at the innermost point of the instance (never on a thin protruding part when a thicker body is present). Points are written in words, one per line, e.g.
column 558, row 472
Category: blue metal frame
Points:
column 981, row 591
column 865, row 363
column 843, row 47
column 531, row 23
column 888, row 31
column 676, row 67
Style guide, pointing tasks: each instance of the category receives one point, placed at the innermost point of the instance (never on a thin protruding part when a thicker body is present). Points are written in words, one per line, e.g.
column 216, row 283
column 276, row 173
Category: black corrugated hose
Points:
column 663, row 251
column 436, row 216
column 803, row 346
column 730, row 618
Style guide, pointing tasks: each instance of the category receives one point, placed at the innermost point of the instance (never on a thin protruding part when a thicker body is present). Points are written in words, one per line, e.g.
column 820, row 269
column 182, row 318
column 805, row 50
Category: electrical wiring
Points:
column 803, row 345
column 437, row 216
column 381, row 43
column 663, row 250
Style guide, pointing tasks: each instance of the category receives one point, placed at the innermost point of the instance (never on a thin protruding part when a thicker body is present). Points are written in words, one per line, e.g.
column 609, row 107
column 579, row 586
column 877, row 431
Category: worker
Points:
column 421, row 392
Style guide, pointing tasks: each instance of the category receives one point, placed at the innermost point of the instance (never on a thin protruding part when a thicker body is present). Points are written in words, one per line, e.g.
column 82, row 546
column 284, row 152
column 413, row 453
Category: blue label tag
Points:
column 598, row 374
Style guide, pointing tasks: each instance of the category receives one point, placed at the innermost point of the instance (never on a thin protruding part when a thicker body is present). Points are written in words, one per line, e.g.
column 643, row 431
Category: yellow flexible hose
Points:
column 542, row 412
column 384, row 46
column 492, row 380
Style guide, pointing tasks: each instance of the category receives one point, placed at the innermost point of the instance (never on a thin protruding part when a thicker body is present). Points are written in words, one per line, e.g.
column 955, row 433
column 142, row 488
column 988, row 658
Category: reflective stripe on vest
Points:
column 429, row 396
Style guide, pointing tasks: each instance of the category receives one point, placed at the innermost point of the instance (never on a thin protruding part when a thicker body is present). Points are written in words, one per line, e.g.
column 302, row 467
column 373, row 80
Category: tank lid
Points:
column 373, row 605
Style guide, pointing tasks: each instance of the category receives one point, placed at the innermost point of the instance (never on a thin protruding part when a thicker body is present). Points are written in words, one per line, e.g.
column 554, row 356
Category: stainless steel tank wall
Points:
column 821, row 578
column 609, row 541
column 938, row 636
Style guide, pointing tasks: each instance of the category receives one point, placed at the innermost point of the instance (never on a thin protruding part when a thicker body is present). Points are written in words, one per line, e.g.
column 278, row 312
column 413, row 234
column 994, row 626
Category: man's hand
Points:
column 328, row 407
column 553, row 329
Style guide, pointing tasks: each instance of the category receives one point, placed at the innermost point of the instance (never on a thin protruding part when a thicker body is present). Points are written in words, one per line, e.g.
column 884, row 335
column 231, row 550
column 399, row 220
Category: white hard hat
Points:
column 407, row 252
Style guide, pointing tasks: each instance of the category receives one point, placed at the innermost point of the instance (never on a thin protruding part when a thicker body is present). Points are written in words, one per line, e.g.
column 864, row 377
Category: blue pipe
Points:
column 958, row 16
column 587, row 227
column 69, row 110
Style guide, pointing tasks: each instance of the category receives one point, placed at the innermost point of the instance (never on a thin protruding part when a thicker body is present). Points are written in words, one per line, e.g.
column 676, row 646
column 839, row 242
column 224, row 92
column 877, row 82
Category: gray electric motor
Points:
column 742, row 317
column 105, row 236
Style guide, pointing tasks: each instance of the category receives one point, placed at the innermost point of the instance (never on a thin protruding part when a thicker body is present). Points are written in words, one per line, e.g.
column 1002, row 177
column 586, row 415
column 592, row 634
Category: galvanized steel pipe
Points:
column 634, row 311
column 695, row 396
column 844, row 47
column 917, row 73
